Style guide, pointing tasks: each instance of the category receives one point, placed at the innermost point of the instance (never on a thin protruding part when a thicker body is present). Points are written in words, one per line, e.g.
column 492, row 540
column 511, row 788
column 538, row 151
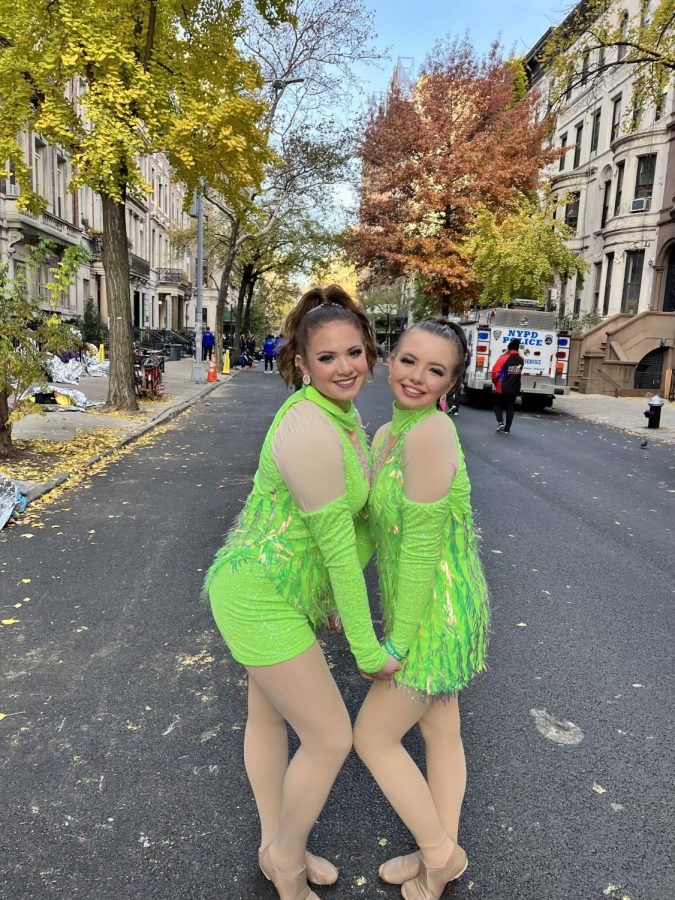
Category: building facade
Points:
column 160, row 277
column 615, row 183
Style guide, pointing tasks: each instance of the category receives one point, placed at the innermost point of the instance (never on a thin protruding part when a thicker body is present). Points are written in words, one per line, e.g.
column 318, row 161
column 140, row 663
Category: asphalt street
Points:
column 121, row 770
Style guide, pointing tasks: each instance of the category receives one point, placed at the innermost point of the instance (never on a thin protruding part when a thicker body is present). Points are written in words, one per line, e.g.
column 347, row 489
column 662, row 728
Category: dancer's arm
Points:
column 309, row 454
column 430, row 463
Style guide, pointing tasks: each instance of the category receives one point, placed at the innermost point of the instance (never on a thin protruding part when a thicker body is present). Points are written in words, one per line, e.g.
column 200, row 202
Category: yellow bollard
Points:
column 101, row 353
column 226, row 363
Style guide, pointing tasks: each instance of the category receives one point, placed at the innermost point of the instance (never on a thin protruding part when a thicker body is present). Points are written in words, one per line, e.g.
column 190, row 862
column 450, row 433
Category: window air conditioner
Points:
column 640, row 204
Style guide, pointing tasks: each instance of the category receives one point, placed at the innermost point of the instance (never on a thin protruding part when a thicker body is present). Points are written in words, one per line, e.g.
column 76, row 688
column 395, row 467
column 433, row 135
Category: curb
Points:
column 664, row 438
column 39, row 489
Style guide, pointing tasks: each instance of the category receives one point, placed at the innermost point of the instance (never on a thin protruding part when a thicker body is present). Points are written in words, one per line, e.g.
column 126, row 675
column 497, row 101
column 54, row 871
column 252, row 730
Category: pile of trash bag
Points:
column 11, row 499
column 65, row 398
column 70, row 369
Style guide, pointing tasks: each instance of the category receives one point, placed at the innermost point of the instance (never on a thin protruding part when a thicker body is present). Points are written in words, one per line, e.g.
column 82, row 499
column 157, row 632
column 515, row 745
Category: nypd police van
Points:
column 544, row 349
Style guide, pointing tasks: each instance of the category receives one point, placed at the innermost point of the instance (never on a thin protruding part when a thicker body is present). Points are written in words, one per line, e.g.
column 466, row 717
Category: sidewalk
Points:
column 93, row 434
column 624, row 413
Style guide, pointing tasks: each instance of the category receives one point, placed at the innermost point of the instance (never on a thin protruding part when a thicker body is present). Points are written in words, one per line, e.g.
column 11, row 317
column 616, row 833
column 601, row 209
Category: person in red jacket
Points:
column 506, row 374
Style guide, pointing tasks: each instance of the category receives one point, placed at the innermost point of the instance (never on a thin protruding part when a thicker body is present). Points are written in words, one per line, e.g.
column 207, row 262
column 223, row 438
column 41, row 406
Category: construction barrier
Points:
column 226, row 363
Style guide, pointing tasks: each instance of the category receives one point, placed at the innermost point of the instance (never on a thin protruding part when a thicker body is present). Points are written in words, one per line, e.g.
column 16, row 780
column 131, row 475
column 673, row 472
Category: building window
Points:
column 595, row 134
column 623, row 27
column 577, row 145
column 568, row 89
column 61, row 180
column 572, row 211
column 601, row 59
column 577, row 304
column 563, row 146
column 619, row 187
column 608, row 283
column 597, row 276
column 632, row 281
column 584, row 66
column 616, row 118
column 39, row 159
column 660, row 106
column 605, row 203
column 644, row 181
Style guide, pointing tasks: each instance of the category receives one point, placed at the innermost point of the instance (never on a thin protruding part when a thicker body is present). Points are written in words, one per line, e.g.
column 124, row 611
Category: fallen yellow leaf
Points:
column 599, row 789
column 360, row 881
column 383, row 842
column 9, row 621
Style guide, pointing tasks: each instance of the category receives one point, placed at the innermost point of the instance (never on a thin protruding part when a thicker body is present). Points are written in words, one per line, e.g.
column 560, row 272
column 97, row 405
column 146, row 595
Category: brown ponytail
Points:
column 318, row 307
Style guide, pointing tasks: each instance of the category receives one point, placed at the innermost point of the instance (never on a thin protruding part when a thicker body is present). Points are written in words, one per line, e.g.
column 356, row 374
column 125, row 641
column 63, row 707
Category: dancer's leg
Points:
column 385, row 717
column 446, row 765
column 302, row 690
column 266, row 759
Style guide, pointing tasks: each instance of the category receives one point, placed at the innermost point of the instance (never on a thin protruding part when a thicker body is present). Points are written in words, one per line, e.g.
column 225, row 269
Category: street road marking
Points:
column 561, row 732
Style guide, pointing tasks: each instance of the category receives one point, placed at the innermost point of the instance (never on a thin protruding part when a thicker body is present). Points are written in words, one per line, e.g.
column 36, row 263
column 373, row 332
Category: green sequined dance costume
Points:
column 297, row 549
column 432, row 587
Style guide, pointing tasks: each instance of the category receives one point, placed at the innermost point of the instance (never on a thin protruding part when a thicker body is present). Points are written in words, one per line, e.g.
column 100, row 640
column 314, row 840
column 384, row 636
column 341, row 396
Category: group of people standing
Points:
column 323, row 500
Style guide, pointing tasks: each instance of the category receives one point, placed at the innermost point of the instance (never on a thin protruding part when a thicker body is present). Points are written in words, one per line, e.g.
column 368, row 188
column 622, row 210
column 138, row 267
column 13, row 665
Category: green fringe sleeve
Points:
column 422, row 530
column 332, row 529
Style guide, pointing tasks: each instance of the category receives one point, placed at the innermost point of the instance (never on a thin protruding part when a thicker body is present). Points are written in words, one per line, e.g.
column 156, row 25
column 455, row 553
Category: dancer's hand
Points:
column 386, row 673
column 335, row 623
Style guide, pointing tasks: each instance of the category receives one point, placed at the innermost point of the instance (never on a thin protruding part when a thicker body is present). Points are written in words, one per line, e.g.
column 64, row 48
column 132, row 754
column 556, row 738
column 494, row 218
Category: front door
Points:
column 669, row 296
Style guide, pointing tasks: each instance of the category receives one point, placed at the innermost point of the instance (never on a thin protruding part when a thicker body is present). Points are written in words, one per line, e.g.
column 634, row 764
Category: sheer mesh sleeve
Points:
column 309, row 454
column 430, row 462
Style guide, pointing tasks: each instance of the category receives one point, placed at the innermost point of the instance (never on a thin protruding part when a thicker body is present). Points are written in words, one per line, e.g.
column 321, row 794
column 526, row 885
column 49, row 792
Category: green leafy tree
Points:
column 515, row 252
column 92, row 330
column 598, row 36
column 28, row 334
column 308, row 64
column 112, row 82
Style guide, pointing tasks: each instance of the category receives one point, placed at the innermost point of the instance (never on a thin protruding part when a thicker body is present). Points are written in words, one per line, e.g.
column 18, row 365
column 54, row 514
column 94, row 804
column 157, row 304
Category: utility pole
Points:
column 197, row 363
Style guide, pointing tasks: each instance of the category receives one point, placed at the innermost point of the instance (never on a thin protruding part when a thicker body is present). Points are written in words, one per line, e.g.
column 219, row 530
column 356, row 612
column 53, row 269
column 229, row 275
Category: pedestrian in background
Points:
column 268, row 353
column 506, row 375
column 208, row 343
column 293, row 556
column 435, row 607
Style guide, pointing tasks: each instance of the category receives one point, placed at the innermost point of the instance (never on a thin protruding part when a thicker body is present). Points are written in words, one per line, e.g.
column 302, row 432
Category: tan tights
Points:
column 290, row 796
column 429, row 809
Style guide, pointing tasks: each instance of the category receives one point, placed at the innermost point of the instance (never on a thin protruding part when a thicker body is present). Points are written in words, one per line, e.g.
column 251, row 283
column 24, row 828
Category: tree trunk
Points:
column 222, row 295
column 249, row 297
column 121, row 393
column 5, row 427
column 245, row 278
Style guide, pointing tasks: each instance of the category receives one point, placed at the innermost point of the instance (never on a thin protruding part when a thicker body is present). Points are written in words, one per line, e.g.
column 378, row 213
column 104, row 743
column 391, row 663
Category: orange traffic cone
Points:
column 213, row 371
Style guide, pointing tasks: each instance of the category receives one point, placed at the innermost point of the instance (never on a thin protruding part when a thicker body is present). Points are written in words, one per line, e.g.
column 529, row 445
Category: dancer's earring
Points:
column 443, row 399
column 306, row 379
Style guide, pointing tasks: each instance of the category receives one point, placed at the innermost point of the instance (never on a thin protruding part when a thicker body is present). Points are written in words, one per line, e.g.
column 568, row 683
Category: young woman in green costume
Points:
column 435, row 608
column 292, row 557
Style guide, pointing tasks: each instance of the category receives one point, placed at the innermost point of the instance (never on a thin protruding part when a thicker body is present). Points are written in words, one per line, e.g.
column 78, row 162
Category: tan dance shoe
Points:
column 320, row 870
column 430, row 883
column 290, row 886
column 401, row 868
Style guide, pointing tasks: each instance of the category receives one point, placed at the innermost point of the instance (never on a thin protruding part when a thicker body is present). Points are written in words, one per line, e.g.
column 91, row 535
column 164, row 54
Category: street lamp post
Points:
column 197, row 363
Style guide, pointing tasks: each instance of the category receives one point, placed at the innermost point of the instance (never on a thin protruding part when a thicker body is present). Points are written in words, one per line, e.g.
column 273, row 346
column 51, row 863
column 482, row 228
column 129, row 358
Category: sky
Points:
column 412, row 27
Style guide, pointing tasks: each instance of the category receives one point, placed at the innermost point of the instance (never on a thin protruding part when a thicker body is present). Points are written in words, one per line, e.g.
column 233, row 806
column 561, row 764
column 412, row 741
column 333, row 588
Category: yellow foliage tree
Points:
column 111, row 82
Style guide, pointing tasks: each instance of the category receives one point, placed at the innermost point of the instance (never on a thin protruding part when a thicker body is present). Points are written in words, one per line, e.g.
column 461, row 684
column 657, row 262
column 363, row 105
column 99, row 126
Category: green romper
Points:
column 297, row 548
column 432, row 587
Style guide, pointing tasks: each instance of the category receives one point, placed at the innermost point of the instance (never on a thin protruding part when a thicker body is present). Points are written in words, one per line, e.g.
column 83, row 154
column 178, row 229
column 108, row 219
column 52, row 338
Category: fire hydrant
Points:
column 653, row 414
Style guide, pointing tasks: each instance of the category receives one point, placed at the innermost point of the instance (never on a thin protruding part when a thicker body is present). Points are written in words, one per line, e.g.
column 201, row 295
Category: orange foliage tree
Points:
column 465, row 136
